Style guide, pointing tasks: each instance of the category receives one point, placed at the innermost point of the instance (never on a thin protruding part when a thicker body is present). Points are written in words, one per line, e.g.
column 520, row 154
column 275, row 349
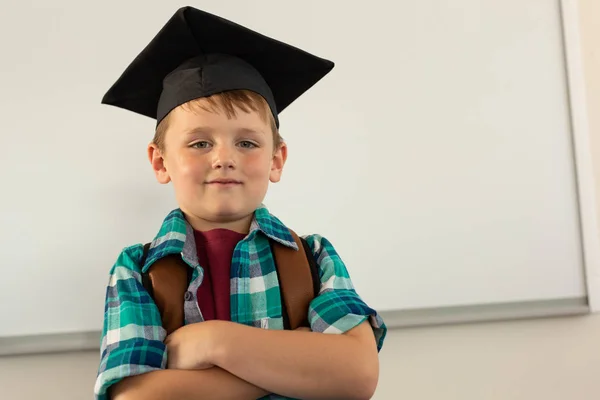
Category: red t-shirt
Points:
column 215, row 250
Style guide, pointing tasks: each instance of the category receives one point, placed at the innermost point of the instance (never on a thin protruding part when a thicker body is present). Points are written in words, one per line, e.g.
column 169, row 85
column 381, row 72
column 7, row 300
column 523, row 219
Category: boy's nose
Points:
column 223, row 158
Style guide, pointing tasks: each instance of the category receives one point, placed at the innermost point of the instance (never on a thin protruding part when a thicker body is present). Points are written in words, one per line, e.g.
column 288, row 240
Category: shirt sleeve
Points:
column 338, row 308
column 132, row 335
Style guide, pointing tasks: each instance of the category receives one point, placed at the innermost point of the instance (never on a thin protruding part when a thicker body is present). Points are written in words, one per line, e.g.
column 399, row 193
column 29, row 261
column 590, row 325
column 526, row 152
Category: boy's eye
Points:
column 247, row 145
column 201, row 145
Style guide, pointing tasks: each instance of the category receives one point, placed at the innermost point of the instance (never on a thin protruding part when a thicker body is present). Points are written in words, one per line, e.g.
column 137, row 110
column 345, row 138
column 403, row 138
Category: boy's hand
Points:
column 189, row 346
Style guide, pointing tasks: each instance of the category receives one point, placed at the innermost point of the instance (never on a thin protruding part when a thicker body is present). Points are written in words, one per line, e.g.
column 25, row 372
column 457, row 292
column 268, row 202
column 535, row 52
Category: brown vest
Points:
column 168, row 278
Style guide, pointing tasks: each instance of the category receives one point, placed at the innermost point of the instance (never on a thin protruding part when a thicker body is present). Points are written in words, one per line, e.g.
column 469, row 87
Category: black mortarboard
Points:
column 197, row 54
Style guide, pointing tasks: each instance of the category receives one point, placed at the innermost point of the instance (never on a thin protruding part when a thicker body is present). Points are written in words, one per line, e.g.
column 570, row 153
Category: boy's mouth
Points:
column 224, row 182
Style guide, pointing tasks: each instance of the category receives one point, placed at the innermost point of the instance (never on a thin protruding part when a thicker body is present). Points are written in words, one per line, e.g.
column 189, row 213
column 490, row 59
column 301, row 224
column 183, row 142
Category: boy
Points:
column 215, row 89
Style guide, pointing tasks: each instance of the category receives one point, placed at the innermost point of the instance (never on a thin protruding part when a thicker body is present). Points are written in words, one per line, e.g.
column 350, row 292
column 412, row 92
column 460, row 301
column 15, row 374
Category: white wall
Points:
column 550, row 359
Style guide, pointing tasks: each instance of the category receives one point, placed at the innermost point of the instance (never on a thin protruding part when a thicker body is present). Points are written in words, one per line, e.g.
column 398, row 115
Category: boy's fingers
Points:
column 303, row 328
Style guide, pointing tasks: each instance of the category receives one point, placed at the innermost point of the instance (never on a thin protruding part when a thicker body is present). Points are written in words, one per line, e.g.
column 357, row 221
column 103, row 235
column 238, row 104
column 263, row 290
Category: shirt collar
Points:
column 176, row 236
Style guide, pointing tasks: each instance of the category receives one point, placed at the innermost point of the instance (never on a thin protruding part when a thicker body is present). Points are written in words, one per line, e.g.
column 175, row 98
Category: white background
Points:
column 436, row 156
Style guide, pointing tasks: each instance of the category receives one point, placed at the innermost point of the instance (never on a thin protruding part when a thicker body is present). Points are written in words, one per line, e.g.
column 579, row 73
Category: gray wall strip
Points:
column 19, row 345
column 485, row 313
column 51, row 343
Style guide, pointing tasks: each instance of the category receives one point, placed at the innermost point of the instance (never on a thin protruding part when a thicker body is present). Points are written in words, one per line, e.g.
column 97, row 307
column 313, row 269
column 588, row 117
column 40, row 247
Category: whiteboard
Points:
column 437, row 156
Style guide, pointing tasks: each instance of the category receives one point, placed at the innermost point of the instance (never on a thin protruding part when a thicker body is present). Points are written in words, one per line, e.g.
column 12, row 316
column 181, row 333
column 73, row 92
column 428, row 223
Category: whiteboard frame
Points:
column 589, row 227
column 582, row 151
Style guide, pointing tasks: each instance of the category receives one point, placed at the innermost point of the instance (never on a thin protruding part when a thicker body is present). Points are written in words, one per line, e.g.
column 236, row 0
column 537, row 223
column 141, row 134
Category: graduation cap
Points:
column 197, row 54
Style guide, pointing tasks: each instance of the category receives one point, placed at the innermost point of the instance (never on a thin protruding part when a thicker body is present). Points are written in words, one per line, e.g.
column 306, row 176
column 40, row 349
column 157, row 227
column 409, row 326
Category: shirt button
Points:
column 188, row 296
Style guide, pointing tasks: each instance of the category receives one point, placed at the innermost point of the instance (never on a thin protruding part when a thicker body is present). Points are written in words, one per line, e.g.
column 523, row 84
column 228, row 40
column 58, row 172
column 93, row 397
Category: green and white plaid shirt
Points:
column 133, row 337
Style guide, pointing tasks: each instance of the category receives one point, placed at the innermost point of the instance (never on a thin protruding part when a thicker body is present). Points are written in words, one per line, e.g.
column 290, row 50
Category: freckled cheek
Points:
column 192, row 170
column 256, row 166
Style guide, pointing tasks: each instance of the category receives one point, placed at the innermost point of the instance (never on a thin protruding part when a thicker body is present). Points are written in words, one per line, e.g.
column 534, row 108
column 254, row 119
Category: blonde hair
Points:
column 226, row 102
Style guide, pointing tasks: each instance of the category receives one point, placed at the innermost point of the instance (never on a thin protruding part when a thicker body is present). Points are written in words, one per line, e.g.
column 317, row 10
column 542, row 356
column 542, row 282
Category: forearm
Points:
column 213, row 383
column 303, row 365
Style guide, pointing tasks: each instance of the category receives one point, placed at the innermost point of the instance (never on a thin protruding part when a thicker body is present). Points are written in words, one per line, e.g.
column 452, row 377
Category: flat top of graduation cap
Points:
column 197, row 54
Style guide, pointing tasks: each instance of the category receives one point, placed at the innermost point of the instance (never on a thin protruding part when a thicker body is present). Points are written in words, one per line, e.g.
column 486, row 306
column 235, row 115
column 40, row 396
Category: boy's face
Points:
column 220, row 167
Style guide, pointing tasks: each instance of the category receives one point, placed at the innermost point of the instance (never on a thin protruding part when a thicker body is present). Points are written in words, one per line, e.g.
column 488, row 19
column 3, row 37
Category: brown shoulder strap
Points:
column 168, row 278
column 296, row 281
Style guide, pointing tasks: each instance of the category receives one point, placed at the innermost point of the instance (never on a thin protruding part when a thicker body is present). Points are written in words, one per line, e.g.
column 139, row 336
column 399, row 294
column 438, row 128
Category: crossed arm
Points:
column 225, row 360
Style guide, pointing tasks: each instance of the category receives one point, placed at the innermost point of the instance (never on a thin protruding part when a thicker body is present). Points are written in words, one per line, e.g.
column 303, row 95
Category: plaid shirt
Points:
column 133, row 337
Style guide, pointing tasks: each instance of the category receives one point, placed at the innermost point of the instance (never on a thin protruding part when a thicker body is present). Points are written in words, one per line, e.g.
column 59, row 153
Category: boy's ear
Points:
column 157, row 161
column 279, row 158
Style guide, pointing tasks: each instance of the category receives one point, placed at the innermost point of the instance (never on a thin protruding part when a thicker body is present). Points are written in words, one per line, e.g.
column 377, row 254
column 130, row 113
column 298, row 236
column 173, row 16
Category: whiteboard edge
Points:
column 90, row 341
column 85, row 341
column 496, row 312
column 582, row 150
column 50, row 343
